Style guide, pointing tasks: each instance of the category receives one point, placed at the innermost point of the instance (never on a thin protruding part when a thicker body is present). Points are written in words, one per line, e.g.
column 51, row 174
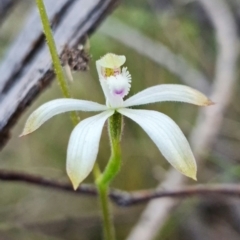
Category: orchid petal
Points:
column 168, row 92
column 54, row 107
column 83, row 147
column 167, row 136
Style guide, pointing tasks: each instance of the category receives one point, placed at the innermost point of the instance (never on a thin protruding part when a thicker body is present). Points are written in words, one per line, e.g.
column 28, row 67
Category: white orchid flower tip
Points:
column 22, row 135
column 75, row 177
column 209, row 102
column 112, row 61
column 30, row 125
column 201, row 99
column 189, row 169
column 74, row 180
column 75, row 187
column 27, row 130
column 191, row 174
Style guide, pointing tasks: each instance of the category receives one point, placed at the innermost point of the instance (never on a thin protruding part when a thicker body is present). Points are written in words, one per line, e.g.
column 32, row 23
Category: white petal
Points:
column 83, row 147
column 167, row 136
column 168, row 92
column 54, row 107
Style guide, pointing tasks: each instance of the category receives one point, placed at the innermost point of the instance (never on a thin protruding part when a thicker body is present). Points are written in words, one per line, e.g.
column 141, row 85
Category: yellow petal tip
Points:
column 194, row 178
column 112, row 61
column 75, row 184
column 24, row 133
column 74, row 180
column 191, row 173
column 209, row 102
column 75, row 187
column 27, row 130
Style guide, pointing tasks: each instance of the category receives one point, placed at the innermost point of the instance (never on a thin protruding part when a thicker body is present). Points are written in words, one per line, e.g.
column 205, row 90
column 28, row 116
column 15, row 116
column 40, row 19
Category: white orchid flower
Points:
column 116, row 82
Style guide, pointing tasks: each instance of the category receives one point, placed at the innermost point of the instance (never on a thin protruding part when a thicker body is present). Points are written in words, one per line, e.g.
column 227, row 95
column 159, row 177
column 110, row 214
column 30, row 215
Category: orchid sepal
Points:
column 83, row 147
column 55, row 107
column 167, row 136
column 168, row 92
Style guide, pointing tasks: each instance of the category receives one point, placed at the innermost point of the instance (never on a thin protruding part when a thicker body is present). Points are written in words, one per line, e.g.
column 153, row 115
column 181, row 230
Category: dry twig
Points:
column 123, row 198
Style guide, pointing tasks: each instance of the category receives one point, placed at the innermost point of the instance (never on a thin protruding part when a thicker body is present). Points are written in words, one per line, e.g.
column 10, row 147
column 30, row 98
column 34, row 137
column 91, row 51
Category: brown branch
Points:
column 12, row 176
column 123, row 198
column 232, row 190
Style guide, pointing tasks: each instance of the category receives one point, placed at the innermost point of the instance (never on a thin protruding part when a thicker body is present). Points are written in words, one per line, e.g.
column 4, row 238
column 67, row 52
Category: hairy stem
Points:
column 55, row 59
column 112, row 168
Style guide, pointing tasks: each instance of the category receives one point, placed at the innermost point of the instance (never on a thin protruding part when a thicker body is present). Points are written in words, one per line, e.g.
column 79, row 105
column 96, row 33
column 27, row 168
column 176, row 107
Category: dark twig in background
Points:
column 120, row 197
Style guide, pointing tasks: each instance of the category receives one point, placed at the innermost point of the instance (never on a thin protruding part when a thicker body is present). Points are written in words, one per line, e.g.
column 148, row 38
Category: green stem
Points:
column 112, row 168
column 55, row 59
column 109, row 232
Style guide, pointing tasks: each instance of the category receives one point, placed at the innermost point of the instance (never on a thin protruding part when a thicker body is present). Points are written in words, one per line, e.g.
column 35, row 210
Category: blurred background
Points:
column 164, row 41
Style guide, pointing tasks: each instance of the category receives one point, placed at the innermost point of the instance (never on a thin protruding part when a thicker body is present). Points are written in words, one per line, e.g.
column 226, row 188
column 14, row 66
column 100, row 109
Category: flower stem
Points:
column 112, row 168
column 55, row 59
column 109, row 232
